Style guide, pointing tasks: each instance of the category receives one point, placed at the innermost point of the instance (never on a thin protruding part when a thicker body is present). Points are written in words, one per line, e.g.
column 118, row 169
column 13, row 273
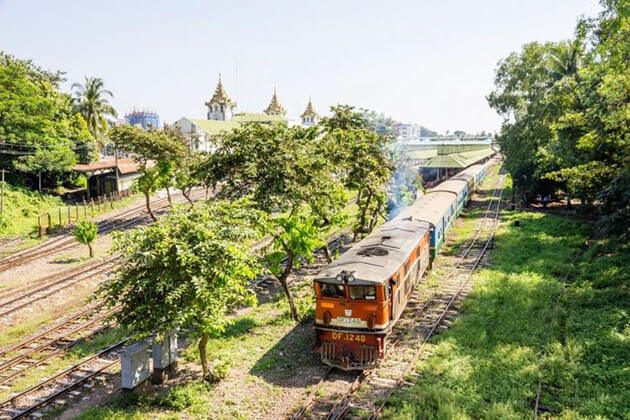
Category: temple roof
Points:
column 274, row 107
column 309, row 111
column 220, row 96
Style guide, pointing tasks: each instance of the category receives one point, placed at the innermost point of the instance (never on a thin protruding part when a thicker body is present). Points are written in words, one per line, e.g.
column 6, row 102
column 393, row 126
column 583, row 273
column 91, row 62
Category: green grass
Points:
column 522, row 325
column 21, row 208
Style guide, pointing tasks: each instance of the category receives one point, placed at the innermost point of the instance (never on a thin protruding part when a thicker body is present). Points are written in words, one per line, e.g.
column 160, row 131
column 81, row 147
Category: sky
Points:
column 426, row 61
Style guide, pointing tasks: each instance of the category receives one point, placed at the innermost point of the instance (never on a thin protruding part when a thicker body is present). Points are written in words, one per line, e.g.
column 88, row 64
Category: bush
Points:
column 179, row 398
column 219, row 369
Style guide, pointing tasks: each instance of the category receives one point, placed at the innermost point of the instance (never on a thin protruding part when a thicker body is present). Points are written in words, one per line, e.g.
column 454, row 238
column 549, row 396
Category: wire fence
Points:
column 68, row 215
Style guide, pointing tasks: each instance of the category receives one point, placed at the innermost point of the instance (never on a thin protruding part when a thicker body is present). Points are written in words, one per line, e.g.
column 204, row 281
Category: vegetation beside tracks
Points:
column 550, row 309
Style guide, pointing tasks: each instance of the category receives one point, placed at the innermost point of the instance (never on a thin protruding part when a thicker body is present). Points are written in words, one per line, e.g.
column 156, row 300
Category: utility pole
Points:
column 116, row 169
column 2, row 171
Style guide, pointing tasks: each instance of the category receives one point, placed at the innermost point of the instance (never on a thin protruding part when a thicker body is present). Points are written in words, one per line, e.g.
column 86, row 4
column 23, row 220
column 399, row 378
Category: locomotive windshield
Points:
column 363, row 292
column 332, row 290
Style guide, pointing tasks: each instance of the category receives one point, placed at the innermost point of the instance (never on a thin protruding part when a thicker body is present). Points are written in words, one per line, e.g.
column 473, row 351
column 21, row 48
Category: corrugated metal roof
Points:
column 214, row 127
column 459, row 160
column 254, row 117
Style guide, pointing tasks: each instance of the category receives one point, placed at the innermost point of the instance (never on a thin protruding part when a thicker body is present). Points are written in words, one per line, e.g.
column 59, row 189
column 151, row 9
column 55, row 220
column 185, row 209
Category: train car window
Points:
column 332, row 290
column 363, row 292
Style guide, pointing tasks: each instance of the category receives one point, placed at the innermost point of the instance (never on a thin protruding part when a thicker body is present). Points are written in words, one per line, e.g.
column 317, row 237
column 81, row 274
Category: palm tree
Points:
column 90, row 100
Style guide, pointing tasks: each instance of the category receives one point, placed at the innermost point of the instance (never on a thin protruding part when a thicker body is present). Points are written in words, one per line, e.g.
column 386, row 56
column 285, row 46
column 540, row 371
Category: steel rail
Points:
column 8, row 404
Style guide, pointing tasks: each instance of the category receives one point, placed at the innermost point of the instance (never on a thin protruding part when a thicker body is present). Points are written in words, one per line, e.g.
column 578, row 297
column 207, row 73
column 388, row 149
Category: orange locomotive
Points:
column 361, row 295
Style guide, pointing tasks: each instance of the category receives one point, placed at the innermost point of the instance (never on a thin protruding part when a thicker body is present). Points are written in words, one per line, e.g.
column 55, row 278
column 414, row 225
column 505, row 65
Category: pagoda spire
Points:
column 309, row 116
column 274, row 107
column 220, row 106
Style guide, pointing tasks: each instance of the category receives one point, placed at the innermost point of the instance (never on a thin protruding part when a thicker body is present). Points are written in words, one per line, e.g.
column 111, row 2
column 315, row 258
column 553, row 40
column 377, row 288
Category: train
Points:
column 360, row 296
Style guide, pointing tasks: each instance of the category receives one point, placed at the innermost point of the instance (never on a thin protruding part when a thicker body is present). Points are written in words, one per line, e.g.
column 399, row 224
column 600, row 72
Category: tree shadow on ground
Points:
column 291, row 362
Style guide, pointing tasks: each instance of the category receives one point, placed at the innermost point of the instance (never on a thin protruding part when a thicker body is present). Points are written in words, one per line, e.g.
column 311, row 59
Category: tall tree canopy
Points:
column 36, row 119
column 566, row 109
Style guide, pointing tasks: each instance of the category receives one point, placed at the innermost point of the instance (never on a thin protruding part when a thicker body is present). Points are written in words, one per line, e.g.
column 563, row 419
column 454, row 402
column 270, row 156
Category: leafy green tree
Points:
column 91, row 100
column 297, row 238
column 85, row 232
column 155, row 151
column 565, row 107
column 53, row 161
column 283, row 172
column 34, row 115
column 188, row 270
column 361, row 160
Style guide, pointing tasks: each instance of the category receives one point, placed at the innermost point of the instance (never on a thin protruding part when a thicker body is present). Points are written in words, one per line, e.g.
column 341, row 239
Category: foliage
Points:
column 361, row 161
column 21, row 208
column 282, row 170
column 521, row 325
column 565, row 107
column 36, row 118
column 186, row 270
column 157, row 153
column 85, row 232
column 90, row 100
column 54, row 161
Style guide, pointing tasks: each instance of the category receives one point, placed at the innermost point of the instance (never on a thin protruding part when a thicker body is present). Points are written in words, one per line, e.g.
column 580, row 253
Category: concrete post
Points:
column 134, row 365
column 164, row 356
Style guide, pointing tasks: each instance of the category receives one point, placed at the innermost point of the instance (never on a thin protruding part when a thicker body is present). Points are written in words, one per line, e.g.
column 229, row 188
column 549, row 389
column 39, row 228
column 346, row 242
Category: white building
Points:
column 221, row 118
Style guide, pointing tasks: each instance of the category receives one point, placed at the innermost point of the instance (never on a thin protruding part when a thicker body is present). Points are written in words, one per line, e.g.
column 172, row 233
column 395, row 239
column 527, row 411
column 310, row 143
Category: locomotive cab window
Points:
column 332, row 290
column 363, row 292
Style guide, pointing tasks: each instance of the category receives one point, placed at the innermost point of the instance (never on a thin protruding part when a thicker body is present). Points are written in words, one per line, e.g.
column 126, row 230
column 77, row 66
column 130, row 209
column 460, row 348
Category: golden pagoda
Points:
column 220, row 107
column 274, row 107
column 309, row 116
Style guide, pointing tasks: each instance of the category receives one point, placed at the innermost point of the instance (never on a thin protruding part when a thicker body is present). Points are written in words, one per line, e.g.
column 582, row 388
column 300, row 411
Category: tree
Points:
column 297, row 237
column 361, row 161
column 155, row 151
column 53, row 161
column 188, row 270
column 565, row 107
column 85, row 232
column 91, row 101
column 35, row 117
column 284, row 172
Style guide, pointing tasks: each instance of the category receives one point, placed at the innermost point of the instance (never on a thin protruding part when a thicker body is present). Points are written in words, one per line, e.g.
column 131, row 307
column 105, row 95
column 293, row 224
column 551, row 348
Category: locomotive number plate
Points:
column 348, row 337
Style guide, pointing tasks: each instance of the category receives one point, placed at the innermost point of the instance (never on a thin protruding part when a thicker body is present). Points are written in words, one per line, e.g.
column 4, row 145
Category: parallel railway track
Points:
column 134, row 216
column 365, row 394
column 36, row 351
column 27, row 402
column 14, row 300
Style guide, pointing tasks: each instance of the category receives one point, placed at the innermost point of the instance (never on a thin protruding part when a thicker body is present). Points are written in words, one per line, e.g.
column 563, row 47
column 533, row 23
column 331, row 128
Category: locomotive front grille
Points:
column 329, row 352
column 367, row 357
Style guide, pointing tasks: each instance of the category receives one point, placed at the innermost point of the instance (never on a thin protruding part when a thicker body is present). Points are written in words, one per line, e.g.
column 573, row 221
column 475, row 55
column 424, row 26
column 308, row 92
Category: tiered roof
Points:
column 220, row 96
column 309, row 111
column 274, row 107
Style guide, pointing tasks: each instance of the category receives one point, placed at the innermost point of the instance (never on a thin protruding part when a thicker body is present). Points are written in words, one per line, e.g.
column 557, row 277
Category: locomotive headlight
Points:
column 339, row 278
column 350, row 277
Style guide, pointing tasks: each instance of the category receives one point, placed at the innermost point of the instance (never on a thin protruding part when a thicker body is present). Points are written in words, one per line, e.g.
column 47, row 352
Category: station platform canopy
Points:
column 459, row 160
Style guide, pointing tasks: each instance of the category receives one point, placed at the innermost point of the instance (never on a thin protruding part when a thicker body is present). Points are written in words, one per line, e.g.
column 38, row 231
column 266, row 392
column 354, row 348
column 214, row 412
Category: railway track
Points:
column 16, row 299
column 129, row 218
column 38, row 350
column 28, row 402
column 365, row 394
